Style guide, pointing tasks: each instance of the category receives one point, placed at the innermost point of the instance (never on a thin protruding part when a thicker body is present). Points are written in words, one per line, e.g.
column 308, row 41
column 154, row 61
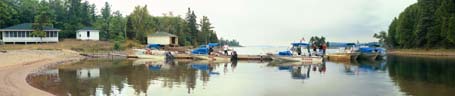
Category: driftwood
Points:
column 3, row 51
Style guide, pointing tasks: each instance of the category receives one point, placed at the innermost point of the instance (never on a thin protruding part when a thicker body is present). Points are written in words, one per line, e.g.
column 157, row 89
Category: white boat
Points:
column 309, row 59
column 157, row 55
column 211, row 58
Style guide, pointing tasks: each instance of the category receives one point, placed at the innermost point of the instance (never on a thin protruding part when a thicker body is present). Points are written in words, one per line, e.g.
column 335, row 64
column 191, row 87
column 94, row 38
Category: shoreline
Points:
column 18, row 64
column 422, row 52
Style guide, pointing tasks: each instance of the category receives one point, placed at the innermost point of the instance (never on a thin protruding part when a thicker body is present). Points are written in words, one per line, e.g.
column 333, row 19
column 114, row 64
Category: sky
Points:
column 280, row 22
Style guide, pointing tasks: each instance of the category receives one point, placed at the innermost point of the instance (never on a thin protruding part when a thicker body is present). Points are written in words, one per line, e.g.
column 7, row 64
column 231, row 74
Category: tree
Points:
column 425, row 24
column 106, row 18
column 7, row 14
column 140, row 24
column 117, row 28
column 42, row 20
column 192, row 27
column 207, row 34
column 382, row 36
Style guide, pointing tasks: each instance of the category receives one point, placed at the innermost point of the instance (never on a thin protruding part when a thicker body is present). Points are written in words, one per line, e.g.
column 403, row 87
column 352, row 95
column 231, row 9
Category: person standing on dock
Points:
column 226, row 48
column 299, row 50
column 324, row 48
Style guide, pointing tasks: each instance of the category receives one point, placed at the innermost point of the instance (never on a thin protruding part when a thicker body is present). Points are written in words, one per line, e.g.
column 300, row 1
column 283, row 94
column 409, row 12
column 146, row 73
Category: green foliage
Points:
column 318, row 41
column 382, row 36
column 426, row 24
column 7, row 14
column 117, row 45
column 39, row 33
column 106, row 19
column 72, row 15
column 140, row 24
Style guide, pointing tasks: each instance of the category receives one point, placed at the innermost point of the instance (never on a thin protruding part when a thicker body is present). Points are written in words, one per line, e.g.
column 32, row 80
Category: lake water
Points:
column 397, row 75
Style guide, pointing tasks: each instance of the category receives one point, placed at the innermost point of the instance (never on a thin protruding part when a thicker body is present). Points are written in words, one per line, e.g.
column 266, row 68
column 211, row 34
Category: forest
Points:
column 425, row 24
column 71, row 15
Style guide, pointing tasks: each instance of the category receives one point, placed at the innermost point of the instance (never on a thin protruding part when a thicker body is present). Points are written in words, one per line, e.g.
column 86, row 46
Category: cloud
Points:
column 279, row 22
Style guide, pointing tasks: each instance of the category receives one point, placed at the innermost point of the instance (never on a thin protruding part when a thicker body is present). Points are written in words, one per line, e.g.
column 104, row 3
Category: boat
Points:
column 343, row 56
column 156, row 57
column 157, row 54
column 381, row 52
column 346, row 54
column 288, row 56
column 368, row 53
column 202, row 53
column 306, row 59
column 208, row 57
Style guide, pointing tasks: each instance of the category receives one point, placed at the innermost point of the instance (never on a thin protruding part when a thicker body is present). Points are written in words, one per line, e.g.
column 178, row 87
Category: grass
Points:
column 71, row 44
column 428, row 52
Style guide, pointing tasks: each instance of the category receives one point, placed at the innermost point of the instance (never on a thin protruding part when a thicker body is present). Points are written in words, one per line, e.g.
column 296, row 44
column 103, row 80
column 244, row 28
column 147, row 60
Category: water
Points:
column 398, row 75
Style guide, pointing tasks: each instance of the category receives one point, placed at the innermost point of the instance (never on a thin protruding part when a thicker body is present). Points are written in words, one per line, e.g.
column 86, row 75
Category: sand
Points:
column 15, row 65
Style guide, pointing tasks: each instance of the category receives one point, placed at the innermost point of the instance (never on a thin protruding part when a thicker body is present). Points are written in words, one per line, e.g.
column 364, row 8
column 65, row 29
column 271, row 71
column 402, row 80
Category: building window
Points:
column 6, row 34
column 88, row 34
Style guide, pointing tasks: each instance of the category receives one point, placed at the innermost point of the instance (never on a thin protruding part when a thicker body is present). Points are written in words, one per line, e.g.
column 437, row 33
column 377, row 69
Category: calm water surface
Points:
column 420, row 76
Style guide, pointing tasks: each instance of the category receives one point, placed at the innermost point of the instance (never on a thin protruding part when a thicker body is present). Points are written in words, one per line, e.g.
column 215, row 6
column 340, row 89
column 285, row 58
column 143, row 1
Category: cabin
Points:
column 88, row 33
column 162, row 38
column 22, row 33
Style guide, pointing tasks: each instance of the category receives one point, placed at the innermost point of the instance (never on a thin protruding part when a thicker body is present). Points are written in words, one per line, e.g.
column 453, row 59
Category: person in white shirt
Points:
column 226, row 48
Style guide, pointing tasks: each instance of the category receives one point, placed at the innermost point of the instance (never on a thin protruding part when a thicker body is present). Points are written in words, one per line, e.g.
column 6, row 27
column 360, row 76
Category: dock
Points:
column 240, row 57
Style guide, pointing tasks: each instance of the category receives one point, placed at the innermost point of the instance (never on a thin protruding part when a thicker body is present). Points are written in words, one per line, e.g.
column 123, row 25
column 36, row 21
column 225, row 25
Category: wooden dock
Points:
column 240, row 57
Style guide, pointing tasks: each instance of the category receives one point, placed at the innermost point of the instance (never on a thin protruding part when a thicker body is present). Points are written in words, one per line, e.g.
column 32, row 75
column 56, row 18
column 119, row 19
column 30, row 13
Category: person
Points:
column 308, row 49
column 314, row 48
column 234, row 56
column 210, row 50
column 299, row 50
column 324, row 48
column 226, row 47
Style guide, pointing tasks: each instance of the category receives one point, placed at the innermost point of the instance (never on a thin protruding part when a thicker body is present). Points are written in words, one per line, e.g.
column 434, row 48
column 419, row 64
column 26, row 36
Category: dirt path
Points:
column 16, row 65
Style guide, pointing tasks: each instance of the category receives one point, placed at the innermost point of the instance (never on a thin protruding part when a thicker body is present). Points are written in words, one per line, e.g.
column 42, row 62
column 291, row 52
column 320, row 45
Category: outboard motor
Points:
column 234, row 56
column 169, row 56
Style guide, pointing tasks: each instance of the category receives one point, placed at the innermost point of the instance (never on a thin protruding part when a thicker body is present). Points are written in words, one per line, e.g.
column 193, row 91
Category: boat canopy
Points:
column 366, row 49
column 350, row 44
column 202, row 50
column 285, row 53
column 299, row 44
column 154, row 46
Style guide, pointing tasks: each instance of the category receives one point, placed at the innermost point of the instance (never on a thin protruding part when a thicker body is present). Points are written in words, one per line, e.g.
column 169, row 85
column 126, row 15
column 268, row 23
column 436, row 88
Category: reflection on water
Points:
column 393, row 76
column 423, row 76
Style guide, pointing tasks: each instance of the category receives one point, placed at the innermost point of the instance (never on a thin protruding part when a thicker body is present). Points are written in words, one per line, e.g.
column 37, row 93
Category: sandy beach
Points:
column 15, row 65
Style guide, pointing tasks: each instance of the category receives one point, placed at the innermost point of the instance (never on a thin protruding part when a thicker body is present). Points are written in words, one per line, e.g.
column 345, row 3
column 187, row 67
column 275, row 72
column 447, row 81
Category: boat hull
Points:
column 156, row 57
column 368, row 56
column 298, row 59
column 343, row 56
column 212, row 58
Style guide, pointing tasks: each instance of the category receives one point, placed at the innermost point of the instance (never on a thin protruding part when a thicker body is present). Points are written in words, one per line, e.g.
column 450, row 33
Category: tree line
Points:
column 72, row 15
column 229, row 42
column 425, row 24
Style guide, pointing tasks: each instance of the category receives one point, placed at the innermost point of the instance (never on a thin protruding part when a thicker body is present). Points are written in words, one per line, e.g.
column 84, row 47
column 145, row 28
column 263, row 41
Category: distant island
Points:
column 232, row 43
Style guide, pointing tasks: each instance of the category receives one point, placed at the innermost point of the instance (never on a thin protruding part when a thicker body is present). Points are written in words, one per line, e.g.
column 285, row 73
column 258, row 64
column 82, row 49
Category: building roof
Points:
column 162, row 34
column 88, row 28
column 27, row 26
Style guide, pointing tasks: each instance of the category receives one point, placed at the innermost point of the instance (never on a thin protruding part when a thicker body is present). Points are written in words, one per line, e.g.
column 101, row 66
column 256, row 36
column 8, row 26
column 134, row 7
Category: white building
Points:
column 162, row 38
column 88, row 33
column 88, row 73
column 22, row 33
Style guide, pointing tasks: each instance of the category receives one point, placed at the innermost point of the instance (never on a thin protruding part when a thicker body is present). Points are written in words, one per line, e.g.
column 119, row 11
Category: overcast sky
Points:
column 279, row 22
